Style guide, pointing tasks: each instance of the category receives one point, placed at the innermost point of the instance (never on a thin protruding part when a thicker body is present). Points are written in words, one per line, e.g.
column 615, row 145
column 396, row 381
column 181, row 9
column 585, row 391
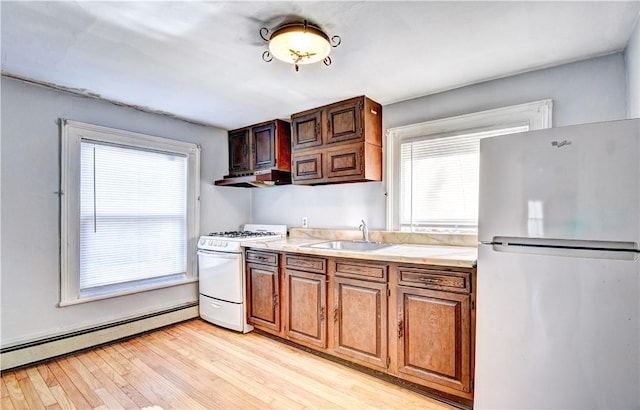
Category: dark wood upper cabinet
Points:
column 239, row 159
column 260, row 147
column 264, row 155
column 306, row 129
column 344, row 121
column 338, row 143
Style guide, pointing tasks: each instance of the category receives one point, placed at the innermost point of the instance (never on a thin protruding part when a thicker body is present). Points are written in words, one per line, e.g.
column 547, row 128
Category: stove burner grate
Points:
column 241, row 234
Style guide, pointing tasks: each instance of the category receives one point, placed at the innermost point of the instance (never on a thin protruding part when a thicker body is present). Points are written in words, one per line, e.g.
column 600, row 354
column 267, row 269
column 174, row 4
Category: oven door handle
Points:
column 219, row 255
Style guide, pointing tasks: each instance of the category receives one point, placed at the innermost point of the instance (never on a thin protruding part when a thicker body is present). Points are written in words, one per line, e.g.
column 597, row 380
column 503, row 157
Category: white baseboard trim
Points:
column 35, row 352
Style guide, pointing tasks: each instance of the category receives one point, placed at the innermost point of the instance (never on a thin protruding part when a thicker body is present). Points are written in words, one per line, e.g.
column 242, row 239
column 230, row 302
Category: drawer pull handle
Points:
column 400, row 329
column 215, row 305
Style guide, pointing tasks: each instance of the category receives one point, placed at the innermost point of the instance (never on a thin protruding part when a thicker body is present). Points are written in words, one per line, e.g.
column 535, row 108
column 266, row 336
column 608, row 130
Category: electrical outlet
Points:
column 305, row 222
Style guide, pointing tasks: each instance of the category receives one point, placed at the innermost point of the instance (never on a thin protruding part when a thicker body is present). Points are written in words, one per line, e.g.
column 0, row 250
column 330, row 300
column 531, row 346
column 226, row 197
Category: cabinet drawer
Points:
column 359, row 270
column 264, row 258
column 451, row 281
column 306, row 263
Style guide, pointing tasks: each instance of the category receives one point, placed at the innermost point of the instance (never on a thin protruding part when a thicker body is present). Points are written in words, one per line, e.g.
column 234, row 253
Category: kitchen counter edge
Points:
column 452, row 256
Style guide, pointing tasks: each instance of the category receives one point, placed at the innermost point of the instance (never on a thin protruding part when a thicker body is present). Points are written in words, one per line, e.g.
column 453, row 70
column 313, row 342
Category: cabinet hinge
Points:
column 388, row 361
column 388, row 292
column 400, row 329
column 361, row 105
column 473, row 385
column 472, row 305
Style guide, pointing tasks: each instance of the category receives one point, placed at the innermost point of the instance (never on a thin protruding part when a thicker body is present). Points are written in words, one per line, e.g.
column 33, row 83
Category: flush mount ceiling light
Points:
column 299, row 43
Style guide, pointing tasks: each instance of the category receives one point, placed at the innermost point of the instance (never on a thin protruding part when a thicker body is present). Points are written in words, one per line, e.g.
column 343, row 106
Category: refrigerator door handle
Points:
column 566, row 247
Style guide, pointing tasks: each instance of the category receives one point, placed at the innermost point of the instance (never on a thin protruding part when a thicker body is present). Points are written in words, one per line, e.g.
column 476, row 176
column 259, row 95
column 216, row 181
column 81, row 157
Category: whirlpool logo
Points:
column 560, row 144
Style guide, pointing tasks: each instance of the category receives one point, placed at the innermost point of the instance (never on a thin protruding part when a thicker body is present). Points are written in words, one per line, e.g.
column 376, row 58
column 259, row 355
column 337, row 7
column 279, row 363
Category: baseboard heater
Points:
column 45, row 349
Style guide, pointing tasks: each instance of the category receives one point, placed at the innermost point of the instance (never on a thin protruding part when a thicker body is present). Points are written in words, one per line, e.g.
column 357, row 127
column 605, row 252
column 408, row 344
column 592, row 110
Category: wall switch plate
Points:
column 305, row 222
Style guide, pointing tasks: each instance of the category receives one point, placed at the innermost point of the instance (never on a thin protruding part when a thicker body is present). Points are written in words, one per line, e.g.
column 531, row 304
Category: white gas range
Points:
column 222, row 275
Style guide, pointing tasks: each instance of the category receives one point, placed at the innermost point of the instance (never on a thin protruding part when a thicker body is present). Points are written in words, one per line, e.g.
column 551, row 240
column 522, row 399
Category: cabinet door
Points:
column 262, row 290
column 239, row 162
column 434, row 337
column 360, row 320
column 306, row 130
column 307, row 168
column 344, row 121
column 345, row 162
column 263, row 146
column 306, row 298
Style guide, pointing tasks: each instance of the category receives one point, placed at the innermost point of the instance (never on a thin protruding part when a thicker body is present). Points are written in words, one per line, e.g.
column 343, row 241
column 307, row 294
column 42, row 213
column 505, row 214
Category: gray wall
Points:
column 632, row 59
column 588, row 91
column 30, row 209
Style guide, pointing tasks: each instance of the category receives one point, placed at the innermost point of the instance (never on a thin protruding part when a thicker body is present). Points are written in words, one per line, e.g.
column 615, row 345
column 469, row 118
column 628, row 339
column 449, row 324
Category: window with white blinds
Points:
column 129, row 212
column 432, row 167
column 439, row 181
column 133, row 214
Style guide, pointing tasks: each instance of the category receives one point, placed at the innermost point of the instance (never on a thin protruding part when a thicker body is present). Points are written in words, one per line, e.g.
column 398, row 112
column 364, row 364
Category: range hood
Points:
column 259, row 179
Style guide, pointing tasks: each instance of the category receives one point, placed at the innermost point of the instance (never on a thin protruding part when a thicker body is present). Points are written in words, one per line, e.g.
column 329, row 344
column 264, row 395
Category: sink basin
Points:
column 359, row 246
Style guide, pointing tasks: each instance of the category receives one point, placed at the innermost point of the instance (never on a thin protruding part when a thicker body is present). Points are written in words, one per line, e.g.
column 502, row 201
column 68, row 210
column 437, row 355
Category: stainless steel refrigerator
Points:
column 558, row 295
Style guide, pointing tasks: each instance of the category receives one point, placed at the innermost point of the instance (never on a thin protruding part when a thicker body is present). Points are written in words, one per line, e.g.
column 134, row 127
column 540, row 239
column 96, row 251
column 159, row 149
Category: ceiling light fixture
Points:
column 299, row 43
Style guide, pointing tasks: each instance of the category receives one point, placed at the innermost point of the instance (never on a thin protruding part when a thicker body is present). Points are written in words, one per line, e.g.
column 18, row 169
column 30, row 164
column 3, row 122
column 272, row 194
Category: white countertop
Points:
column 456, row 256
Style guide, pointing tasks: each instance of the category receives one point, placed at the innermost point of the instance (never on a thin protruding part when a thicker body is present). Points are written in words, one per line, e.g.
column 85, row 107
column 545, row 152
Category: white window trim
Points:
column 72, row 132
column 537, row 114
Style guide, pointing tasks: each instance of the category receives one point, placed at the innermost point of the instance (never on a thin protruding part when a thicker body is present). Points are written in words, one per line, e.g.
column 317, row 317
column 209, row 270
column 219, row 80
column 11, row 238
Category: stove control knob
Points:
column 201, row 242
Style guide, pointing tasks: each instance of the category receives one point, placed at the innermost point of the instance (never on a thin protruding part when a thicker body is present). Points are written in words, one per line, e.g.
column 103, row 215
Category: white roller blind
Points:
column 439, row 181
column 133, row 214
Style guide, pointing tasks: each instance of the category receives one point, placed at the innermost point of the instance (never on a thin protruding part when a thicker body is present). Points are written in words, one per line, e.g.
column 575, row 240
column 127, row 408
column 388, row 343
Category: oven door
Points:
column 221, row 275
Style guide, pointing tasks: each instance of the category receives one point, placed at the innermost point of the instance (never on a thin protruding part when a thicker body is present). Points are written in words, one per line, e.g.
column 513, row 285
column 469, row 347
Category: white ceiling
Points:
column 201, row 61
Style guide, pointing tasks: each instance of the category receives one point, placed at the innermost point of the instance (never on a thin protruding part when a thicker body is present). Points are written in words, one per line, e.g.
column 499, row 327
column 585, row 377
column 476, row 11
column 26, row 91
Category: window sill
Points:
column 125, row 291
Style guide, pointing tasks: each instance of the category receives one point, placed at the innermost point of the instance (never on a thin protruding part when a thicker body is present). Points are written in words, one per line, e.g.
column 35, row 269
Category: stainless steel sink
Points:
column 359, row 246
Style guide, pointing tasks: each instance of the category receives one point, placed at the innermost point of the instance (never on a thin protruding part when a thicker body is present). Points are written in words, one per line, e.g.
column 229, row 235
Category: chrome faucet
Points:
column 365, row 231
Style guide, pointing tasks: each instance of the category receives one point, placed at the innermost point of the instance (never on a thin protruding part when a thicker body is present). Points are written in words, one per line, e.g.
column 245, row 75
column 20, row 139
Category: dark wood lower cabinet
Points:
column 413, row 322
column 263, row 284
column 306, row 310
column 434, row 332
column 360, row 321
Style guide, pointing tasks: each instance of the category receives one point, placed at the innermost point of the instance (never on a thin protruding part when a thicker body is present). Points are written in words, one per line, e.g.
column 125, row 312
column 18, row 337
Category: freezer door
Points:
column 579, row 182
column 556, row 332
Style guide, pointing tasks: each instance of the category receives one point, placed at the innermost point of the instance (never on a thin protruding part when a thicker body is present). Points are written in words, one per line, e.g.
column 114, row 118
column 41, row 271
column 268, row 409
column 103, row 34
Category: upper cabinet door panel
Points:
column 346, row 161
column 306, row 129
column 239, row 151
column 263, row 146
column 344, row 121
column 307, row 167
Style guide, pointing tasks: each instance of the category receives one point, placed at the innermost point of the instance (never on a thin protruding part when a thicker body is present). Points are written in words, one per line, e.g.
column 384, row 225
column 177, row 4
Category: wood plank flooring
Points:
column 195, row 365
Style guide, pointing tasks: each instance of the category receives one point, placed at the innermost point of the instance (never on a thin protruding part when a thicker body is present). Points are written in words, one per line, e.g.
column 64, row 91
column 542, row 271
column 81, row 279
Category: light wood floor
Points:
column 195, row 365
